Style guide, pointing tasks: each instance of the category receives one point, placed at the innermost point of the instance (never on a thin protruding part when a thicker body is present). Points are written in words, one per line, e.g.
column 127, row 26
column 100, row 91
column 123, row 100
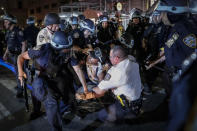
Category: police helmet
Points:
column 10, row 18
column 103, row 18
column 98, row 54
column 81, row 17
column 30, row 20
column 173, row 6
column 135, row 13
column 87, row 24
column 60, row 40
column 74, row 20
column 51, row 18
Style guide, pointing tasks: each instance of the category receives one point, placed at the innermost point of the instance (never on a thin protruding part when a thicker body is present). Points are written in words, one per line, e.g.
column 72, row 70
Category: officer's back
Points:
column 31, row 32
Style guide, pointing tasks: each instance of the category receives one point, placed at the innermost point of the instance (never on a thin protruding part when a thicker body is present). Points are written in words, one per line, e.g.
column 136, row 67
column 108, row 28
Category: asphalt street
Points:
column 14, row 117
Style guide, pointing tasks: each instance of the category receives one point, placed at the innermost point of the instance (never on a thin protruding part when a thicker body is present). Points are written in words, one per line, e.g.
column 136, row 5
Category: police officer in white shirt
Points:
column 124, row 80
column 51, row 22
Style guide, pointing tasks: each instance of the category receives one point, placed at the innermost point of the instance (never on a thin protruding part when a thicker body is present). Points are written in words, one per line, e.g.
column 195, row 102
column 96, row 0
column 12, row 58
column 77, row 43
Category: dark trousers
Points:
column 13, row 58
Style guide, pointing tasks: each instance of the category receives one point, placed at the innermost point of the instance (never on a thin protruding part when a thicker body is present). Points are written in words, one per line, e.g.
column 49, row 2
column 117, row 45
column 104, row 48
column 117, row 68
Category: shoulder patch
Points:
column 190, row 40
column 172, row 40
column 107, row 77
column 41, row 38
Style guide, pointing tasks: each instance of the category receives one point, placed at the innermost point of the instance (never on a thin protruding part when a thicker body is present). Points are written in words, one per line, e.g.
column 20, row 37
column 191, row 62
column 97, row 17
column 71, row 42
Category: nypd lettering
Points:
column 190, row 41
column 172, row 40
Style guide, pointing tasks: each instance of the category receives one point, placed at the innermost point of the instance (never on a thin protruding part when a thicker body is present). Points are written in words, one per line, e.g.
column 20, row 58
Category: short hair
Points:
column 119, row 51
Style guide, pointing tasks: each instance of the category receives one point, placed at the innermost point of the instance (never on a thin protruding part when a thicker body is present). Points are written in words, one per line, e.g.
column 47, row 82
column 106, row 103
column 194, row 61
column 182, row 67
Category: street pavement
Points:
column 14, row 117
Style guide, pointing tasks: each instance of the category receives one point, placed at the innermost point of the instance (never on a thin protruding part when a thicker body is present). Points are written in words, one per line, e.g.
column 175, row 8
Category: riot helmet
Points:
column 173, row 6
column 30, row 20
column 51, row 18
column 88, row 25
column 81, row 17
column 60, row 40
column 103, row 18
column 74, row 20
column 10, row 18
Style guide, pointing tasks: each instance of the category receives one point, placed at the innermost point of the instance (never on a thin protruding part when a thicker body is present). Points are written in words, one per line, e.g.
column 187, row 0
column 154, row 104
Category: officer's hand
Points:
column 21, row 77
column 5, row 57
column 148, row 67
column 86, row 90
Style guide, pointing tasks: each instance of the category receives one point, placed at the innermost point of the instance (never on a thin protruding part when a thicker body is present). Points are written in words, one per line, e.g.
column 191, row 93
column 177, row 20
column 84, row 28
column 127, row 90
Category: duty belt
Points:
column 134, row 105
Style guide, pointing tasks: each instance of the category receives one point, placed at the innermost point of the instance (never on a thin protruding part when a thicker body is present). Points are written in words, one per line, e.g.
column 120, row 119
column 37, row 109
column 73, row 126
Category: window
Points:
column 38, row 10
column 46, row 6
column 32, row 11
column 20, row 5
column 53, row 5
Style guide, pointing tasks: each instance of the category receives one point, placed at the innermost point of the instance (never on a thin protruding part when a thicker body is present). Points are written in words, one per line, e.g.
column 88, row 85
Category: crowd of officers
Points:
column 61, row 57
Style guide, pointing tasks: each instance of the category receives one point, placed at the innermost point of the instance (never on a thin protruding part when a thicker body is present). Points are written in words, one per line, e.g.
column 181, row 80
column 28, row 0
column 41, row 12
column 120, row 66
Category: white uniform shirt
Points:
column 44, row 36
column 124, row 78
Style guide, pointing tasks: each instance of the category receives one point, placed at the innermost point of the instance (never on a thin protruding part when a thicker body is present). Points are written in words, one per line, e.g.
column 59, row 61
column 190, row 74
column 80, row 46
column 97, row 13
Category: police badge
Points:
column 190, row 40
column 107, row 77
column 41, row 38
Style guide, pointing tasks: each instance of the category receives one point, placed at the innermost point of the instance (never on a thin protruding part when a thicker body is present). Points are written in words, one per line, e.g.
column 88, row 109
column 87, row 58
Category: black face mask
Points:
column 173, row 18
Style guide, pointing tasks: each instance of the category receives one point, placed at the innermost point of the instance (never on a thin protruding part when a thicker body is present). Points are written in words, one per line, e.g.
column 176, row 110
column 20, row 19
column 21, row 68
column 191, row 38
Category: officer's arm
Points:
column 81, row 77
column 24, row 46
column 96, row 93
column 20, row 61
column 5, row 54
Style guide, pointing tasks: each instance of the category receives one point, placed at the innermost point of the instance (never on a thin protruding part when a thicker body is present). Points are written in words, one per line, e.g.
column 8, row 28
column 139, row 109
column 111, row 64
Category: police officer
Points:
column 51, row 22
column 181, row 39
column 53, row 80
column 135, row 28
column 74, row 22
column 106, row 32
column 31, row 32
column 88, row 28
column 183, row 99
column 15, row 45
column 124, row 80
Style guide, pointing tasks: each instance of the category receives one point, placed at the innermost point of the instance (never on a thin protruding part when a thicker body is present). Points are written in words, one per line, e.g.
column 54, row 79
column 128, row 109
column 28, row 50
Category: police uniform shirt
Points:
column 44, row 36
column 123, row 78
column 14, row 39
column 43, row 55
column 180, row 44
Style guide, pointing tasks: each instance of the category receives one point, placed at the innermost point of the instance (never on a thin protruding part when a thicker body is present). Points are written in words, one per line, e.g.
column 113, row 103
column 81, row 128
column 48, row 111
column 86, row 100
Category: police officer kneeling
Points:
column 124, row 80
column 53, row 80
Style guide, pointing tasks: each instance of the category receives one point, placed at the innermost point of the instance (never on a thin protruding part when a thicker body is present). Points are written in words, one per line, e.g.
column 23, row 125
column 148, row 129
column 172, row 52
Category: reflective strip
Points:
column 178, row 9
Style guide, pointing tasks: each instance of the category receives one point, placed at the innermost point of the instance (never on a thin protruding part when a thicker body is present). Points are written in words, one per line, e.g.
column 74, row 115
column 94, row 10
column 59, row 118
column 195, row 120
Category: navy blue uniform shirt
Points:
column 43, row 55
column 179, row 45
column 14, row 39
